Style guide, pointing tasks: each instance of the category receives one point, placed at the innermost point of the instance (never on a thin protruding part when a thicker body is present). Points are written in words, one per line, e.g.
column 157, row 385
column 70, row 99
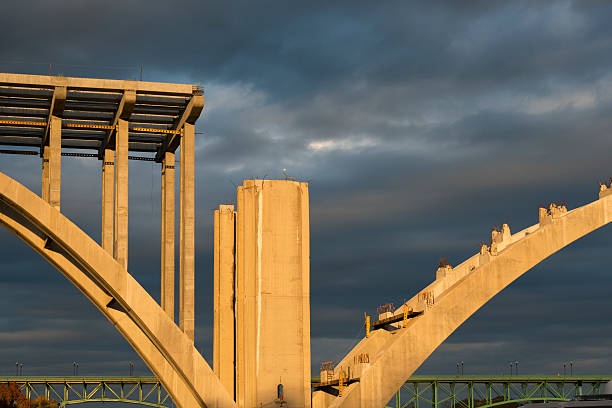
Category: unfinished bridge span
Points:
column 420, row 325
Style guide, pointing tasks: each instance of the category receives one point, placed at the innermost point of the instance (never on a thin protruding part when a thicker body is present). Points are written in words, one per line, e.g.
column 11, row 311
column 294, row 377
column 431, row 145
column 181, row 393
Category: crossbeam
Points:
column 190, row 115
column 124, row 111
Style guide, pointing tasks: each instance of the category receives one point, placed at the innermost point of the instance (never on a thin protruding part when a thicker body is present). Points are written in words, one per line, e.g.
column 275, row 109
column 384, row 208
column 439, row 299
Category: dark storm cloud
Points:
column 420, row 125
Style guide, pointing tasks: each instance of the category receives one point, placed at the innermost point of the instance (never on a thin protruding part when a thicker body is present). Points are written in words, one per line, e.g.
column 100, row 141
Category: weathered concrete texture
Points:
column 55, row 161
column 452, row 299
column 121, row 193
column 166, row 350
column 187, row 232
column 45, row 174
column 167, row 234
column 272, row 293
column 108, row 176
column 224, row 321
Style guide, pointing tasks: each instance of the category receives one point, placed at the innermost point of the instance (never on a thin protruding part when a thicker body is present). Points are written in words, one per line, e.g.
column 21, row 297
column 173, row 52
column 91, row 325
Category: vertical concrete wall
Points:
column 224, row 321
column 272, row 293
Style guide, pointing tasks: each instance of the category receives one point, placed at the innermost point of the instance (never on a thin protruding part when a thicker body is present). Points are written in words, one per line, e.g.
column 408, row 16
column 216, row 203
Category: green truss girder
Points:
column 491, row 391
column 145, row 391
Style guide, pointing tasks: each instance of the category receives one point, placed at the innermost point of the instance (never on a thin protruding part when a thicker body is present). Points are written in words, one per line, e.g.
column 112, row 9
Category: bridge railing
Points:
column 146, row 391
column 490, row 391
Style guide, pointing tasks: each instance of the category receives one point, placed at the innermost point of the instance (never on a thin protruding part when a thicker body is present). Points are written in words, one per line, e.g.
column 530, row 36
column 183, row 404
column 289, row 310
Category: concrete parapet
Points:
column 605, row 189
column 554, row 211
column 544, row 216
column 557, row 210
column 444, row 269
column 500, row 238
column 485, row 255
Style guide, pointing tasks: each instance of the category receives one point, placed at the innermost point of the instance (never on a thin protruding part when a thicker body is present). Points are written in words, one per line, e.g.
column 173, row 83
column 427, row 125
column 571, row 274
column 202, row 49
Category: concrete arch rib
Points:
column 166, row 350
column 395, row 356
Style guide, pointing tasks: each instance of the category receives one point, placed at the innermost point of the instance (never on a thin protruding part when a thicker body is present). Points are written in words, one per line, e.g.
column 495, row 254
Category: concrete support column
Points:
column 121, row 193
column 224, row 321
column 272, row 293
column 167, row 235
column 187, row 231
column 55, row 161
column 45, row 174
column 240, row 298
column 108, row 175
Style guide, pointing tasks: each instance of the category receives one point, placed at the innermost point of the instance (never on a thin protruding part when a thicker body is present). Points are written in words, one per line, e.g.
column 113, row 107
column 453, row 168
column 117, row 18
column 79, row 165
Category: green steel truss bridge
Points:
column 146, row 391
column 418, row 392
column 491, row 391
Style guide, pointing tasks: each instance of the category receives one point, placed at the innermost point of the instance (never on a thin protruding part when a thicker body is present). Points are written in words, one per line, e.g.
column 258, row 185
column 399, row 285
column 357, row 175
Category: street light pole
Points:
column 511, row 369
column 462, row 368
column 516, row 365
column 571, row 368
column 564, row 365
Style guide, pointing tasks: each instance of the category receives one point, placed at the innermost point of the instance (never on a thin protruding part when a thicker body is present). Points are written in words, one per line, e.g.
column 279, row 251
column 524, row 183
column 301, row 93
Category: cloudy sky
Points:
column 420, row 125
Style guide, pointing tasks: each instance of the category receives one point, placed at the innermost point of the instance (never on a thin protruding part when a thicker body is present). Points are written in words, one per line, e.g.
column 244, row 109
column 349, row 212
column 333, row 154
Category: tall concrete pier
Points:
column 272, row 290
column 224, row 358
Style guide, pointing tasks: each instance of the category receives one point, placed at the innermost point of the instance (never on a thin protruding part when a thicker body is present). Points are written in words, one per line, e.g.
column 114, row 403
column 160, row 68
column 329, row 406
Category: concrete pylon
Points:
column 272, row 307
column 224, row 318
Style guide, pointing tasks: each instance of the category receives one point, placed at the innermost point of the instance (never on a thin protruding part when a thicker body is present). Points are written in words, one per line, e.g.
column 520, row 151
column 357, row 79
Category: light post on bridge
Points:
column 75, row 368
column 516, row 367
column 571, row 368
column 131, row 368
column 564, row 365
column 460, row 363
